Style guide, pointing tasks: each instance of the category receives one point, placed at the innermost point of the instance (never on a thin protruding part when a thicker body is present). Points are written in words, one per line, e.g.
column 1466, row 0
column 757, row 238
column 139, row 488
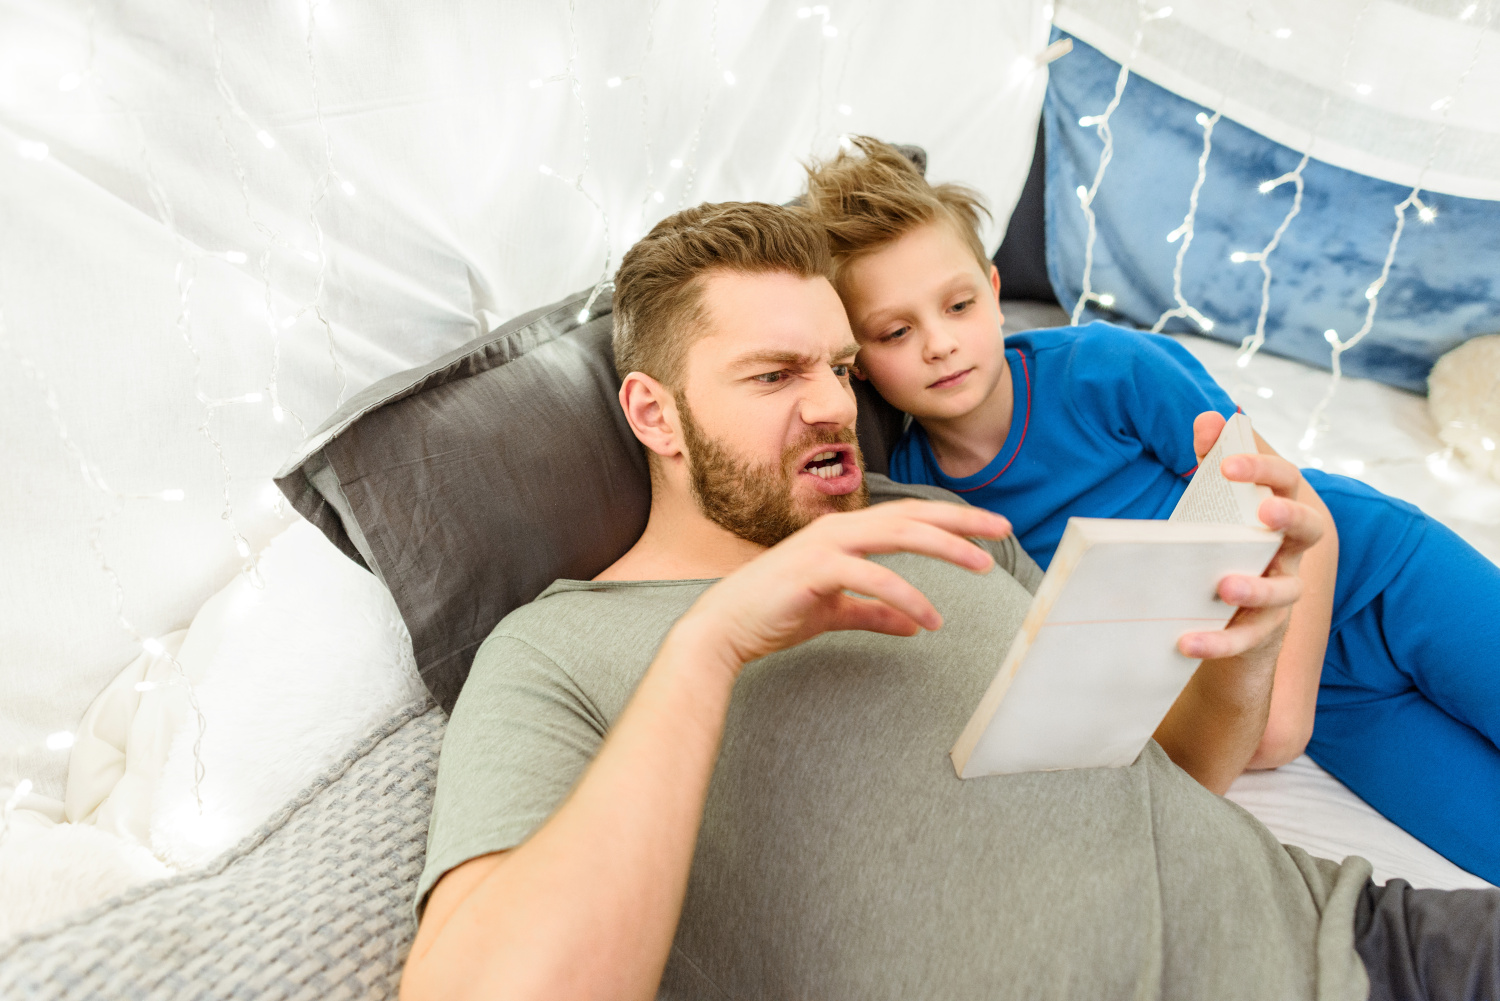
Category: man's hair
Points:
column 658, row 300
column 867, row 199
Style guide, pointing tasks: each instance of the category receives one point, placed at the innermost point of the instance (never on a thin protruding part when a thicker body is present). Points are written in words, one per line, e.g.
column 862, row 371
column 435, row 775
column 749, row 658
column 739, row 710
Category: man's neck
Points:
column 680, row 543
column 964, row 445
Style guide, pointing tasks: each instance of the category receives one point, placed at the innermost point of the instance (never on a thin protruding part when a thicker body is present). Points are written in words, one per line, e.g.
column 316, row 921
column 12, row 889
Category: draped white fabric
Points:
column 219, row 219
column 1404, row 90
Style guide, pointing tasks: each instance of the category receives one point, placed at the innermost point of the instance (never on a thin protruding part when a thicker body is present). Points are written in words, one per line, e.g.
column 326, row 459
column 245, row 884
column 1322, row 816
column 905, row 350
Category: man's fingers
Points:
column 908, row 535
column 872, row 616
column 851, row 573
column 930, row 528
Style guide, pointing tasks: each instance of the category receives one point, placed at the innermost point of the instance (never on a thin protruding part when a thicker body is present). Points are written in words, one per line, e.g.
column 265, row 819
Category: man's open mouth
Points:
column 826, row 464
column 833, row 468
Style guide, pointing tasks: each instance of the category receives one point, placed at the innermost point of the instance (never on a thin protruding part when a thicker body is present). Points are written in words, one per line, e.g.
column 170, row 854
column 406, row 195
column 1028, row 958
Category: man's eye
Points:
column 841, row 371
column 770, row 378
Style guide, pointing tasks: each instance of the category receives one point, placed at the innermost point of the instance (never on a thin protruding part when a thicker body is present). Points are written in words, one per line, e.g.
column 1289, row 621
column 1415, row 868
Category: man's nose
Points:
column 828, row 401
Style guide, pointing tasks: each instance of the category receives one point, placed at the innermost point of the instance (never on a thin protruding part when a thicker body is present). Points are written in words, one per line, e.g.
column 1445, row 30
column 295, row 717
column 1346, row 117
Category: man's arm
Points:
column 1216, row 725
column 587, row 907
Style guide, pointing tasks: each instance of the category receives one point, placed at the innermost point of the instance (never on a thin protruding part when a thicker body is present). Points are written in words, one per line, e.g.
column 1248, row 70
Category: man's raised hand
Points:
column 801, row 587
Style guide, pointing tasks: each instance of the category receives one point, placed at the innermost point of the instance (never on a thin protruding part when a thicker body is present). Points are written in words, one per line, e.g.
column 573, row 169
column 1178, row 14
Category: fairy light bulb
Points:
column 60, row 741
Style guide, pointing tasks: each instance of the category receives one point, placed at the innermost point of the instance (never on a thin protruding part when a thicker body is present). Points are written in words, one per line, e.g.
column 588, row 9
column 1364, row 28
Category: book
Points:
column 1095, row 666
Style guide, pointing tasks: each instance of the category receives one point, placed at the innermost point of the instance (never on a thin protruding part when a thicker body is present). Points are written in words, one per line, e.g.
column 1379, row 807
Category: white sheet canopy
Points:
column 218, row 219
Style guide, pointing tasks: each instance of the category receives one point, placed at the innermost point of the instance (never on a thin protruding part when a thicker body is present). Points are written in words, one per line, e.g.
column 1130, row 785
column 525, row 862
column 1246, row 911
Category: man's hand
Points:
column 800, row 588
column 1215, row 727
column 587, row 906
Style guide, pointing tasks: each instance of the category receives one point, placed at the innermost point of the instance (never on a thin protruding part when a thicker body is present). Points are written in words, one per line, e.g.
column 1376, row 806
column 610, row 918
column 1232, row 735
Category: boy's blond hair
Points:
column 866, row 200
column 659, row 287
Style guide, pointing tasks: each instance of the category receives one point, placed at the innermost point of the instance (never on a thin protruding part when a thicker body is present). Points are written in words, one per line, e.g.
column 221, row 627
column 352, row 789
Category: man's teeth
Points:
column 823, row 455
column 829, row 472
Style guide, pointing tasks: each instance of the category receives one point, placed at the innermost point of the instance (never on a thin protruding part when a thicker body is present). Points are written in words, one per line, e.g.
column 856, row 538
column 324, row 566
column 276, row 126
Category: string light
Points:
column 1412, row 200
column 1101, row 124
column 1186, row 231
column 1251, row 345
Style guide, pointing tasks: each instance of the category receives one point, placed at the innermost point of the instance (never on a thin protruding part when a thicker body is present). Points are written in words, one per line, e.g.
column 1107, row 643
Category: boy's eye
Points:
column 896, row 335
column 959, row 307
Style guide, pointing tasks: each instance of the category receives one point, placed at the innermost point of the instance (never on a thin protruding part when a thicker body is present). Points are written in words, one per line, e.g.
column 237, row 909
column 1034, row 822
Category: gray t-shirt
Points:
column 840, row 857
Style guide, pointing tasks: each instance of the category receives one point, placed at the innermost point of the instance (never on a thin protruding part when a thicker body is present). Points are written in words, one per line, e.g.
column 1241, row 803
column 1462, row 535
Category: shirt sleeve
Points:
column 1143, row 388
column 520, row 736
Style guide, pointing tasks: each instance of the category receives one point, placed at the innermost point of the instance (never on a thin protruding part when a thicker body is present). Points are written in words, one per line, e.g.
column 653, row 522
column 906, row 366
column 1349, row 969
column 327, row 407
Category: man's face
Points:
column 766, row 408
column 928, row 323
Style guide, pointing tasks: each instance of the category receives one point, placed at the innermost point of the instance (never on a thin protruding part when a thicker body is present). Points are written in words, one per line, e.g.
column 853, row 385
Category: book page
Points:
column 1212, row 498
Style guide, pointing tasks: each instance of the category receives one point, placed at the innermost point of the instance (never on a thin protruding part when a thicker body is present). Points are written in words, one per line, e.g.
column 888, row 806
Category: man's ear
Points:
column 651, row 411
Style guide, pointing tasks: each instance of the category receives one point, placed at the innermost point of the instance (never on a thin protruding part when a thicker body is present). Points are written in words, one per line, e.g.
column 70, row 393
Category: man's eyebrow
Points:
column 792, row 357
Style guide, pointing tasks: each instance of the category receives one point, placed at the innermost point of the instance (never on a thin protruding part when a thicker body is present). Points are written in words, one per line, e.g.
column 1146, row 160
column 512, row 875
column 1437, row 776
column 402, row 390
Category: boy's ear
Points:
column 995, row 284
column 859, row 373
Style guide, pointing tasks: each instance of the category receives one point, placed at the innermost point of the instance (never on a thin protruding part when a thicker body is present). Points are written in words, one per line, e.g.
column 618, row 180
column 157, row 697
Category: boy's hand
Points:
column 1264, row 602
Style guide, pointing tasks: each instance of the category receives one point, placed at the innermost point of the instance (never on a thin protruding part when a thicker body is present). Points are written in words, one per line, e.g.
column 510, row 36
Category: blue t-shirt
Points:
column 1103, row 428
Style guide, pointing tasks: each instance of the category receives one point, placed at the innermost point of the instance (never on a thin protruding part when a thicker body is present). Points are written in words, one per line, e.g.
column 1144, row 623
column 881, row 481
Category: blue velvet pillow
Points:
column 1442, row 288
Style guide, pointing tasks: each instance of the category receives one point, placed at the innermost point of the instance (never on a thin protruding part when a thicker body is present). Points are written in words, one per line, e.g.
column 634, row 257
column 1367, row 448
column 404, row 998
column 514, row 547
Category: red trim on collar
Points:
column 1026, row 423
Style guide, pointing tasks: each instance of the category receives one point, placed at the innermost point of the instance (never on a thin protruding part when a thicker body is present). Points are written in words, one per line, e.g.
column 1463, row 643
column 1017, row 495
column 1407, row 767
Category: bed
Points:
column 297, row 883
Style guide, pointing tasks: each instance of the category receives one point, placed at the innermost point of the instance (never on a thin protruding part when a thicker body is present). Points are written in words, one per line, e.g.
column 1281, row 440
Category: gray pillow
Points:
column 470, row 484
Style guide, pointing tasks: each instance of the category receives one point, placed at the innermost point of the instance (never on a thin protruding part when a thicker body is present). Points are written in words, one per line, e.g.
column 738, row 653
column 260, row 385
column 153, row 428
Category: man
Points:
column 610, row 823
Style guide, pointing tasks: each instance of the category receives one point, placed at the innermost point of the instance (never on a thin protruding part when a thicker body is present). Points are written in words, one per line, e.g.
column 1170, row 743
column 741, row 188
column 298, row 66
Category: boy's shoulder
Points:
column 1098, row 337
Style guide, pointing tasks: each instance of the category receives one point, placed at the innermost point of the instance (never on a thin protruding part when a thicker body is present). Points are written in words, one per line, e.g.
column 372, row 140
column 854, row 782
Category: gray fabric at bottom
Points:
column 1429, row 945
column 315, row 905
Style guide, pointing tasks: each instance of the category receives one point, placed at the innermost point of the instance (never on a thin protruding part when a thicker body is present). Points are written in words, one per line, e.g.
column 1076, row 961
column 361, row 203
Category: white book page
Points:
column 1212, row 498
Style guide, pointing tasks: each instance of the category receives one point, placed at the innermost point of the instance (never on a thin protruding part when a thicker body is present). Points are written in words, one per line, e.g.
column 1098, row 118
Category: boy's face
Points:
column 928, row 323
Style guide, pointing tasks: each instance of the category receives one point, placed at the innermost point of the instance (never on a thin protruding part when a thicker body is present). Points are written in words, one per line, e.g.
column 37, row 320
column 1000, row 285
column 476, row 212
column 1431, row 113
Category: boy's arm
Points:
column 1299, row 668
column 1216, row 725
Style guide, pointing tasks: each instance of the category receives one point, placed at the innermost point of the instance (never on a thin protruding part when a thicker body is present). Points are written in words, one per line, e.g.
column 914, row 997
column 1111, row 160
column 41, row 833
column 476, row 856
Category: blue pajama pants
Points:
column 1409, row 706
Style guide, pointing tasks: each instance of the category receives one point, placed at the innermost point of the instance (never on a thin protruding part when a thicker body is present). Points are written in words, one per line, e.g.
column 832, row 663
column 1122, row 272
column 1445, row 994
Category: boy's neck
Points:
column 966, row 444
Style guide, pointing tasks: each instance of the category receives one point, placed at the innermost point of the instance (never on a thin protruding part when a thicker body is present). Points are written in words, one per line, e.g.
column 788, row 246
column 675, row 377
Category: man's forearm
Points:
column 589, row 904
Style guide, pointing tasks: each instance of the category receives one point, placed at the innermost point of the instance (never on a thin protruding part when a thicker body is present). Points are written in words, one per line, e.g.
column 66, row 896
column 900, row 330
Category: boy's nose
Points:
column 937, row 345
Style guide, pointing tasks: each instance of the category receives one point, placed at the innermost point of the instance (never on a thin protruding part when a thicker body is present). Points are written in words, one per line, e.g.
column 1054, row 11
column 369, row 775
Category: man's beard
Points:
column 755, row 502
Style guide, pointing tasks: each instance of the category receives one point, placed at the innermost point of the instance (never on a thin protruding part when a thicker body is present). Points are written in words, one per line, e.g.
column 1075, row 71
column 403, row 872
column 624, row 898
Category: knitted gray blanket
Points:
column 316, row 904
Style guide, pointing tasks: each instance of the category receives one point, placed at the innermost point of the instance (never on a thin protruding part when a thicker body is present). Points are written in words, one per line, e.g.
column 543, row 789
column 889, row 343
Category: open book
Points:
column 1095, row 666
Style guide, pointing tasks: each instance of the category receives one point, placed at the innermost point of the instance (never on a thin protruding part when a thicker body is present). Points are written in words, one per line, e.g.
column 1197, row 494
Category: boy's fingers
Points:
column 1207, row 427
column 1249, row 629
column 1260, row 592
column 1267, row 470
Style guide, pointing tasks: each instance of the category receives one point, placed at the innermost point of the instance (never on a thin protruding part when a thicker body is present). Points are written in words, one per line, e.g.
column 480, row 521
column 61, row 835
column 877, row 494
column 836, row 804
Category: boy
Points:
column 1400, row 618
